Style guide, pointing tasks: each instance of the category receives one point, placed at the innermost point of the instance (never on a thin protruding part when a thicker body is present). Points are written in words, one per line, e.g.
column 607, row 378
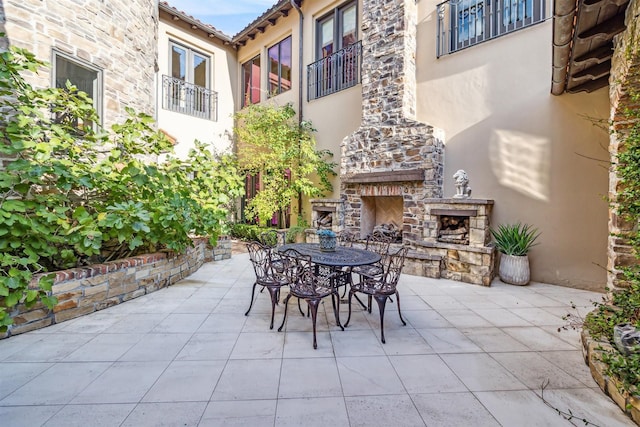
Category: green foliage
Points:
column 71, row 194
column 515, row 239
column 623, row 306
column 296, row 230
column 273, row 143
column 248, row 232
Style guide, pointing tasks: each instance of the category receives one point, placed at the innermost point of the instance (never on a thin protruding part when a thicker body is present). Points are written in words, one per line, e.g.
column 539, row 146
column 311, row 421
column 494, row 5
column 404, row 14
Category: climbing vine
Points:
column 623, row 305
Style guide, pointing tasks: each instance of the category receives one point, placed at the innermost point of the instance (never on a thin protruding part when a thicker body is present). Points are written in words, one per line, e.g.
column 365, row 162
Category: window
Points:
column 186, row 88
column 338, row 53
column 280, row 67
column 337, row 30
column 251, row 81
column 464, row 23
column 84, row 76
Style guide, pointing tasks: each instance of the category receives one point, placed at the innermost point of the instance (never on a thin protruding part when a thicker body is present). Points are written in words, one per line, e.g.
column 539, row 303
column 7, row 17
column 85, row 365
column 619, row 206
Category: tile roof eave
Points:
column 210, row 29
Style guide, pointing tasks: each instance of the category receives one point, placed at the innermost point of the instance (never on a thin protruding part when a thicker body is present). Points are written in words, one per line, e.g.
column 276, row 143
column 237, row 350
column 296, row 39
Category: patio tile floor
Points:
column 187, row 356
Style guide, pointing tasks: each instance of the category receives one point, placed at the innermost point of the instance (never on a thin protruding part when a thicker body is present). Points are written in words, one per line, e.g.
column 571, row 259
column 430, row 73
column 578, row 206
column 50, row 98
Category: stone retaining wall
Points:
column 84, row 290
column 592, row 351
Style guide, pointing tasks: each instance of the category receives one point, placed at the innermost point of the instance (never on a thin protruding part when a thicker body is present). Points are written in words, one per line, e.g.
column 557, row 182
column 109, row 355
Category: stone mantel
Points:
column 455, row 201
column 386, row 176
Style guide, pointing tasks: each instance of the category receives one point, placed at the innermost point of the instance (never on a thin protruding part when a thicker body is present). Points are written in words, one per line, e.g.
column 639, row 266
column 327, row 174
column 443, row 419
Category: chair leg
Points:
column 253, row 294
column 336, row 308
column 381, row 300
column 399, row 312
column 351, row 292
column 300, row 308
column 284, row 319
column 274, row 292
column 313, row 304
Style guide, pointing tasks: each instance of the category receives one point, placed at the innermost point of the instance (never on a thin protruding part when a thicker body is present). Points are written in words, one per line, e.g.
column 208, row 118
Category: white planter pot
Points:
column 514, row 269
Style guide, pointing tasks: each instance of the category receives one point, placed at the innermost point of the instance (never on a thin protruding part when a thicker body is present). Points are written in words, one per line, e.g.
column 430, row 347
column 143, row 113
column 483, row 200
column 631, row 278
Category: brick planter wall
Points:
column 84, row 290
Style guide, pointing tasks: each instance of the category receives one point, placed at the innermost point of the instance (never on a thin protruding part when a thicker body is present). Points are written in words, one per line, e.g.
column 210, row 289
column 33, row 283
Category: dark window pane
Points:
column 178, row 63
column 285, row 64
column 255, row 80
column 273, row 70
column 199, row 70
column 348, row 32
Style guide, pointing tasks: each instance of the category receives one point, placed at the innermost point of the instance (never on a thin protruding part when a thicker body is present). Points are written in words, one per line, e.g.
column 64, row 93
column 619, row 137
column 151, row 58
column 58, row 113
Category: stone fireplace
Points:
column 392, row 162
column 391, row 168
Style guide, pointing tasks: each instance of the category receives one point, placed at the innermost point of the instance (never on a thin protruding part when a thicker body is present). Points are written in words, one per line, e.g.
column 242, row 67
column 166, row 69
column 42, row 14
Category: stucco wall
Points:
column 223, row 75
column 538, row 156
column 117, row 36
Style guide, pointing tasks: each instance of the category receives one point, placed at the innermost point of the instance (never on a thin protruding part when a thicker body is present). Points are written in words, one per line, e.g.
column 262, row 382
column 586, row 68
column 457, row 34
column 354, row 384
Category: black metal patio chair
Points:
column 306, row 284
column 270, row 274
column 382, row 286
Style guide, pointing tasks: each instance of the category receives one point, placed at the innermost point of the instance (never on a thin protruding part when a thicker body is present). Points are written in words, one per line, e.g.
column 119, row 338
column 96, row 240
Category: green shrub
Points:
column 71, row 194
column 248, row 232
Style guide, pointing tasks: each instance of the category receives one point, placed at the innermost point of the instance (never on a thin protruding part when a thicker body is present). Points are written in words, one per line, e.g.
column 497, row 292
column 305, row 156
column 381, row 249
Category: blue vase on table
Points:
column 327, row 240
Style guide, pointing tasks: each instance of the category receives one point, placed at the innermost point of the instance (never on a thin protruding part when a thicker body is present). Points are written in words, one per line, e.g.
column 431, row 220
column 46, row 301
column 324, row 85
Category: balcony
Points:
column 464, row 23
column 187, row 98
column 334, row 73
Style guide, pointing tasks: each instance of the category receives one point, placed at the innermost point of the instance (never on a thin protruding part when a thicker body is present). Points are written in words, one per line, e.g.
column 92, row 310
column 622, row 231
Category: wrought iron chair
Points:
column 269, row 238
column 379, row 244
column 382, row 286
column 346, row 238
column 306, row 284
column 270, row 274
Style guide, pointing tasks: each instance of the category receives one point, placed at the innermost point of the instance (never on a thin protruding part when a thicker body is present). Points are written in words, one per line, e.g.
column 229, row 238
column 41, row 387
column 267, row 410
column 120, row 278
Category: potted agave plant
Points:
column 514, row 241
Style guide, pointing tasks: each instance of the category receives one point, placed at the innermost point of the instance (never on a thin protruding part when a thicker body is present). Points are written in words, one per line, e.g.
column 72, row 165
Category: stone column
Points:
column 625, row 78
column 388, row 61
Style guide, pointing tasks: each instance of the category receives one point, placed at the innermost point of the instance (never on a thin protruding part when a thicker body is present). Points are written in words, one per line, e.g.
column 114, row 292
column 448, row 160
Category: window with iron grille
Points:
column 280, row 67
column 338, row 53
column 186, row 88
column 464, row 23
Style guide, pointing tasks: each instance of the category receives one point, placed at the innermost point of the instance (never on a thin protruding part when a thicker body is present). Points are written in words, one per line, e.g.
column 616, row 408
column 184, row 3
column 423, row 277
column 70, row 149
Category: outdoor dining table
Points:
column 342, row 256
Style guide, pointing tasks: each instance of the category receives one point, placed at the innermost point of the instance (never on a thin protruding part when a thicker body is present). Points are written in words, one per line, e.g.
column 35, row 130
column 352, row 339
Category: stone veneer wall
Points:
column 84, row 290
column 472, row 263
column 117, row 36
column 389, row 138
column 625, row 76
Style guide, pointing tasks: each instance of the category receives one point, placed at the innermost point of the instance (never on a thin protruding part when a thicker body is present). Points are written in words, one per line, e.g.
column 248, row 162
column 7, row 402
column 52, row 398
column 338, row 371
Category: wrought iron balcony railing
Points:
column 187, row 98
column 464, row 23
column 335, row 72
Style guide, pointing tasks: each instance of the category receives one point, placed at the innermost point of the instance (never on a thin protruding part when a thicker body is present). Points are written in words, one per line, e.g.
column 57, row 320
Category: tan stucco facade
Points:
column 222, row 78
column 540, row 157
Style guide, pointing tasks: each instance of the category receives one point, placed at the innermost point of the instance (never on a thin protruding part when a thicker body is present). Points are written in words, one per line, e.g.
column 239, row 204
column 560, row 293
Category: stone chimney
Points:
column 391, row 154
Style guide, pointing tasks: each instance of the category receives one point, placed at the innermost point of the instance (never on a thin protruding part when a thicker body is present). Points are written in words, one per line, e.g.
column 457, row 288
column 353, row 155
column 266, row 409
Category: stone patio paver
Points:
column 188, row 356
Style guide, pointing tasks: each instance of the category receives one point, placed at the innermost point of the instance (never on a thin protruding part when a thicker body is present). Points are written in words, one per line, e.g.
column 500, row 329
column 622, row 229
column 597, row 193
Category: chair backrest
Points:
column 269, row 238
column 380, row 245
column 393, row 266
column 303, row 278
column 346, row 238
column 261, row 259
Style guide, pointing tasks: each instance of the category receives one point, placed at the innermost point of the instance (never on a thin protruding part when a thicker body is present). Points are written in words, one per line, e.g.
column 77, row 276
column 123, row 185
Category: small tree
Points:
column 271, row 142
